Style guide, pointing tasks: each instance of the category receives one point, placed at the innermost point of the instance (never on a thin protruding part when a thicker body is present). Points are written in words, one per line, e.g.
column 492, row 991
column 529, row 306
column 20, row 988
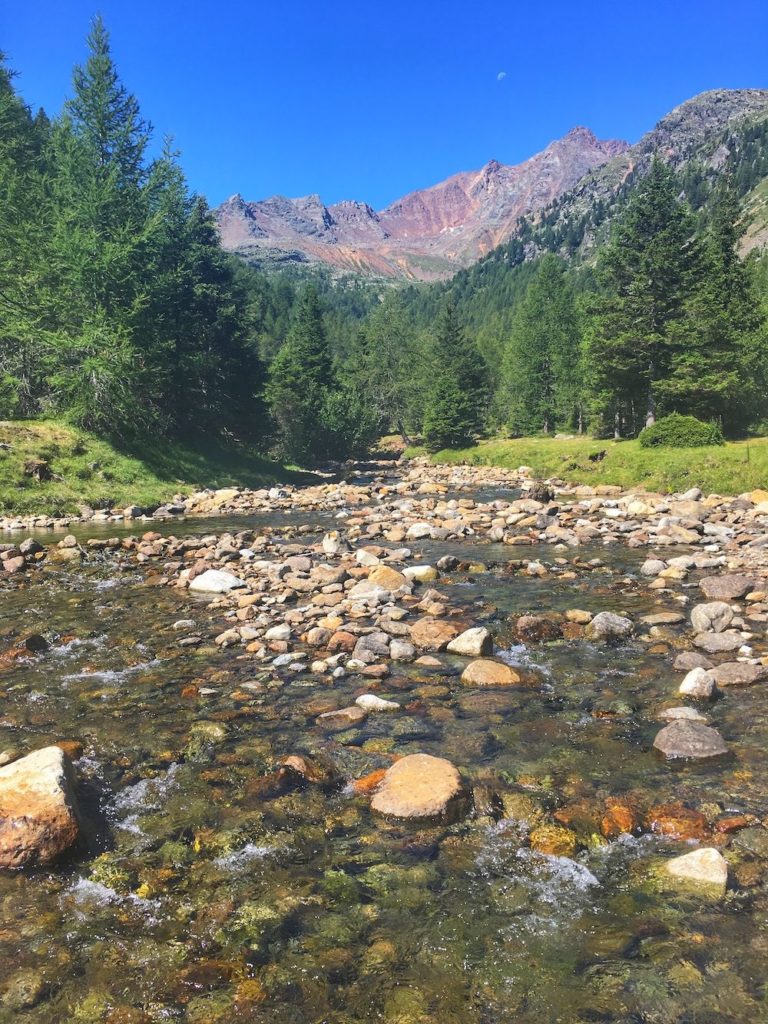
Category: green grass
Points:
column 92, row 471
column 732, row 469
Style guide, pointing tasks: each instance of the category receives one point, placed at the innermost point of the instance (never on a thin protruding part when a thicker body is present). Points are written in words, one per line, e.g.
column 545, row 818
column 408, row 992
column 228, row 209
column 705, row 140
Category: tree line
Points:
column 120, row 312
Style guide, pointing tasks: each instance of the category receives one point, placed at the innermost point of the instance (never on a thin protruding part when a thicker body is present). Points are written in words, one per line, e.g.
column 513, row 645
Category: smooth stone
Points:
column 38, row 808
column 370, row 702
column 698, row 683
column 401, row 650
column 387, row 577
column 343, row 718
column 684, row 714
column 472, row 643
column 421, row 786
column 729, row 587
column 687, row 660
column 485, row 672
column 421, row 573
column 738, row 673
column 706, row 867
column 682, row 739
column 432, row 634
column 718, row 643
column 216, row 581
column 609, row 626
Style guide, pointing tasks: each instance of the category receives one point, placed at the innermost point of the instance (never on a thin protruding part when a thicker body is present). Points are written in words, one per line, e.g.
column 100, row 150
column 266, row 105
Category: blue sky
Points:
column 371, row 100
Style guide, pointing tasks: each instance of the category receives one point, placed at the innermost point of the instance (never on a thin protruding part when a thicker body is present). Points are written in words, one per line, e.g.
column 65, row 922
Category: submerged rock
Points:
column 421, row 786
column 706, row 867
column 685, row 739
column 38, row 808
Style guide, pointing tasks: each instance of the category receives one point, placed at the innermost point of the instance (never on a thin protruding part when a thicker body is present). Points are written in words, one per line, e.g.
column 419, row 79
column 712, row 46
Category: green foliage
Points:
column 455, row 401
column 542, row 363
column 676, row 431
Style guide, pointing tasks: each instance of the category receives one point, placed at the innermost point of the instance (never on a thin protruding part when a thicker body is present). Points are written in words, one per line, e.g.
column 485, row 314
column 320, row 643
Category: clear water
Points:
column 193, row 898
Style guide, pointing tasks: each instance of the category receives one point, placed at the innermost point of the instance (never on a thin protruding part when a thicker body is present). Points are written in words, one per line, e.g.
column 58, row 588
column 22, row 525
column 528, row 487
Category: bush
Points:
column 676, row 431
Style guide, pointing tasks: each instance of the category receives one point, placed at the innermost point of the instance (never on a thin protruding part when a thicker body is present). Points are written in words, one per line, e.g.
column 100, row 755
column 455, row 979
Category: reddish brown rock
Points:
column 431, row 634
column 677, row 821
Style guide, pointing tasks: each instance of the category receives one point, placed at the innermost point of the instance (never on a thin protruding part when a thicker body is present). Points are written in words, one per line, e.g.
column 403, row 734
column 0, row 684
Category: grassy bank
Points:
column 90, row 471
column 730, row 469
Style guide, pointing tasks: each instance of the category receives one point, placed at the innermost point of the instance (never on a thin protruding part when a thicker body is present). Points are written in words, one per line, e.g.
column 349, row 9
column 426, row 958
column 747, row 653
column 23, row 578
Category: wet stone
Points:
column 420, row 786
column 689, row 740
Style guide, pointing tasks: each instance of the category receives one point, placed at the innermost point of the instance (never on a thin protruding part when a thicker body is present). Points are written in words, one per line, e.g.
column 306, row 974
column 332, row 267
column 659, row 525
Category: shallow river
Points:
column 193, row 898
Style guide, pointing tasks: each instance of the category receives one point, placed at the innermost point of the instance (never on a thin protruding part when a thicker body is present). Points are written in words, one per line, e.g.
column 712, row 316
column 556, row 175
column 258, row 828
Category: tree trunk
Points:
column 617, row 426
column 401, row 431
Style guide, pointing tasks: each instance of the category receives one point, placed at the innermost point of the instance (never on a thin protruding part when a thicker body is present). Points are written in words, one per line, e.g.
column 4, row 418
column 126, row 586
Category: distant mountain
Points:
column 428, row 234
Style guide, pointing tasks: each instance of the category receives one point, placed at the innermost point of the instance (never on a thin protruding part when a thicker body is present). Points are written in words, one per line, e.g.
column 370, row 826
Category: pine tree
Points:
column 718, row 365
column 541, row 364
column 299, row 380
column 647, row 275
column 455, row 402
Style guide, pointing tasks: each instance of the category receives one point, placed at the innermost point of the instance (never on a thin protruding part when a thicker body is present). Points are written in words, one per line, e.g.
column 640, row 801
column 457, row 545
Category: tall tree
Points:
column 300, row 377
column 647, row 275
column 455, row 402
column 540, row 369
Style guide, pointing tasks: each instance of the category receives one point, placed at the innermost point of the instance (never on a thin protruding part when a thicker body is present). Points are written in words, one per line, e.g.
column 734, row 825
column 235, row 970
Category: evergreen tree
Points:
column 647, row 275
column 540, row 370
column 299, row 380
column 387, row 365
column 717, row 366
column 455, row 402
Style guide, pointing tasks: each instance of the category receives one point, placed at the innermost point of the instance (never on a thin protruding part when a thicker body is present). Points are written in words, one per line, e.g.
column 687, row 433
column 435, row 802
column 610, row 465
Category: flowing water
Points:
column 193, row 898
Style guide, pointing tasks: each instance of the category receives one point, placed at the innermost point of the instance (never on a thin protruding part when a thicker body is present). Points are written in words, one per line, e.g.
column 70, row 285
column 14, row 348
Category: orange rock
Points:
column 677, row 822
column 735, row 822
column 622, row 817
column 368, row 783
column 72, row 748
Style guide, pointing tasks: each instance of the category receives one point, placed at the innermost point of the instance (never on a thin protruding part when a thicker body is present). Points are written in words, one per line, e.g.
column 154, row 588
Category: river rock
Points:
column 421, row 786
column 711, row 618
column 38, row 808
column 729, row 587
column 718, row 643
column 433, row 634
column 388, row 578
column 738, row 673
column 538, row 628
column 370, row 702
column 609, row 627
column 681, row 739
column 706, row 867
column 472, row 643
column 689, row 714
column 486, row 672
column 216, row 581
column 401, row 650
column 687, row 660
column 421, row 573
column 698, row 683
column 344, row 718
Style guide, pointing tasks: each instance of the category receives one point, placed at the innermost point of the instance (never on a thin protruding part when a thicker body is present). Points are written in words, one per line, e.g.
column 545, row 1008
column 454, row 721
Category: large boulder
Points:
column 486, row 672
column 682, row 739
column 729, row 587
column 609, row 627
column 38, row 808
column 711, row 618
column 216, row 581
column 420, row 786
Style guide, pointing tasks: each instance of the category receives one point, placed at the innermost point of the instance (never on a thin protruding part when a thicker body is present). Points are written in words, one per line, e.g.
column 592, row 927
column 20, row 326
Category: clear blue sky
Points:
column 369, row 100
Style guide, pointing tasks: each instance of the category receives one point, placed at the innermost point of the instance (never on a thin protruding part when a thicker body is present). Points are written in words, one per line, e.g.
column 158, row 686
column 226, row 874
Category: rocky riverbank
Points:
column 370, row 634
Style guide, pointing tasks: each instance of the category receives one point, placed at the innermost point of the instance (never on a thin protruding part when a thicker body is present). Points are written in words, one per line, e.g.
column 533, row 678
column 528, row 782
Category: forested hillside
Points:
column 639, row 293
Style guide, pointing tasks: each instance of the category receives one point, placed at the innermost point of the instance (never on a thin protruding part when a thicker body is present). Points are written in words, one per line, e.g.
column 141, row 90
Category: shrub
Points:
column 676, row 431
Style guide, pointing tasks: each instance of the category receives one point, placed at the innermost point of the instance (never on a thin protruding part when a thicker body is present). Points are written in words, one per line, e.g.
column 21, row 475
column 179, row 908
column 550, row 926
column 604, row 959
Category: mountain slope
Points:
column 426, row 235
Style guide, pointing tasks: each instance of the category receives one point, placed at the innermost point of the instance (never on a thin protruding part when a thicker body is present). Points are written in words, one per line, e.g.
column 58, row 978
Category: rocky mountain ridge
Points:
column 426, row 235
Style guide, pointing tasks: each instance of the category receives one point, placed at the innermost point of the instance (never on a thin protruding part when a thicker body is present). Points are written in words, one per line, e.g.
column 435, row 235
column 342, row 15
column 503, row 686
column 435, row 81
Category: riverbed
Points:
column 198, row 893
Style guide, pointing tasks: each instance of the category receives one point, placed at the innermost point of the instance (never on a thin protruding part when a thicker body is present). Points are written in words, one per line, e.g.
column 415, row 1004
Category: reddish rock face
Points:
column 38, row 810
column 428, row 234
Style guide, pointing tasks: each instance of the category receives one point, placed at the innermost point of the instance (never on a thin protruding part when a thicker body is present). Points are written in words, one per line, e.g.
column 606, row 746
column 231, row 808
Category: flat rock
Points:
column 728, row 587
column 682, row 739
column 216, row 581
column 705, row 867
column 422, row 787
column 472, row 643
column 431, row 634
column 663, row 619
column 718, row 643
column 713, row 617
column 344, row 718
column 687, row 660
column 387, row 577
column 684, row 713
column 737, row 673
column 486, row 672
column 38, row 808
